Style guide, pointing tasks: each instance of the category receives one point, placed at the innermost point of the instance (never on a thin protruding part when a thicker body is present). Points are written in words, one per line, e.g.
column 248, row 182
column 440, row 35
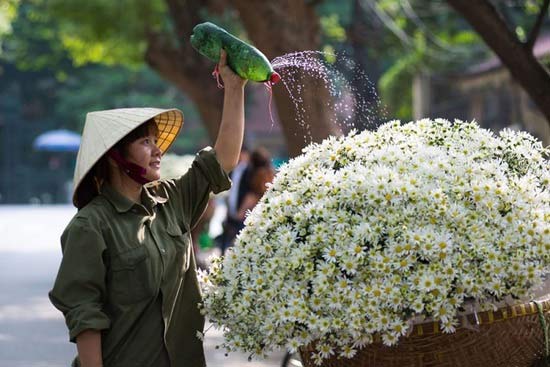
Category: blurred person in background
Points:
column 259, row 158
column 260, row 172
column 127, row 282
column 232, row 225
column 237, row 182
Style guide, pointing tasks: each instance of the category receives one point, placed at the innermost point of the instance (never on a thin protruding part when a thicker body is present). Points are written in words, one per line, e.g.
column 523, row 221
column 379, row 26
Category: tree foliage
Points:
column 421, row 36
column 99, row 31
column 8, row 11
column 497, row 31
column 78, row 83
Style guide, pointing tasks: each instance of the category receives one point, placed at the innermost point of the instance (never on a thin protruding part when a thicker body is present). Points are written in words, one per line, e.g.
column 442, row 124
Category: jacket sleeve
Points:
column 79, row 290
column 193, row 188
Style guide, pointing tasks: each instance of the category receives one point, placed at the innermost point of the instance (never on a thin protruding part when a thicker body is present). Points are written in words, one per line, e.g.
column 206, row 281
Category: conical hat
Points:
column 103, row 129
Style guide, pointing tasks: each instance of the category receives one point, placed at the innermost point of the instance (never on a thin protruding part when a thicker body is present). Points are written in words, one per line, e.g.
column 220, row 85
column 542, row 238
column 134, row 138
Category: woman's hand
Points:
column 231, row 80
column 231, row 131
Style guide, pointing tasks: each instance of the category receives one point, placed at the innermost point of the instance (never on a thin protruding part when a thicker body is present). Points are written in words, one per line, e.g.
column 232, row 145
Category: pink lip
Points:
column 155, row 164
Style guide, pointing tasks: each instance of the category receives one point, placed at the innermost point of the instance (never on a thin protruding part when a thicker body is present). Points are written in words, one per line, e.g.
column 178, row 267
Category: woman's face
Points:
column 145, row 153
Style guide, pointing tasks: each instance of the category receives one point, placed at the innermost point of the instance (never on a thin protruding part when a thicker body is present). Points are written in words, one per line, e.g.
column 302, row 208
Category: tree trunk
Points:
column 281, row 27
column 364, row 34
column 516, row 56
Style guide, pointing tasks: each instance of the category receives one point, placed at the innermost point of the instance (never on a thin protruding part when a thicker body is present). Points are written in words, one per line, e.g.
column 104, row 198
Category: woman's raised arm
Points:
column 231, row 131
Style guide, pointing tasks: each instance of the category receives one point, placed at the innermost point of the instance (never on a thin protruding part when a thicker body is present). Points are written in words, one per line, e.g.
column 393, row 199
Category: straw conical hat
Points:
column 103, row 129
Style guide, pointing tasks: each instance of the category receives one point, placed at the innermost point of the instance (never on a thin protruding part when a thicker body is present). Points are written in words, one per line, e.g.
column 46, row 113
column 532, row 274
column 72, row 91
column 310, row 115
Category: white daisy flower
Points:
column 359, row 232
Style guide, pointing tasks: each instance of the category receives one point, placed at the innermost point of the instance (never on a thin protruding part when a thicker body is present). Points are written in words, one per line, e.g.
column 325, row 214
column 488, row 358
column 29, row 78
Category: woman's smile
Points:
column 155, row 164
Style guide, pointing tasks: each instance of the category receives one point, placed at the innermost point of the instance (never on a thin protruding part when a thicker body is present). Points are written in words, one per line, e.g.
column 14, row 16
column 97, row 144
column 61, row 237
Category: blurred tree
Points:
column 512, row 41
column 8, row 11
column 391, row 41
column 46, row 91
column 129, row 31
column 351, row 32
column 435, row 35
column 34, row 46
column 418, row 36
column 364, row 33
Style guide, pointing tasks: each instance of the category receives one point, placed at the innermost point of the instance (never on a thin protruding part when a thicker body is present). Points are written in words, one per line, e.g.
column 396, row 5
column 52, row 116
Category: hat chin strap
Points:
column 133, row 170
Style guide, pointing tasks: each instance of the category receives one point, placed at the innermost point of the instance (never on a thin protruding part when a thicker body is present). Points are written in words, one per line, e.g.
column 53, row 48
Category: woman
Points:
column 127, row 284
column 260, row 173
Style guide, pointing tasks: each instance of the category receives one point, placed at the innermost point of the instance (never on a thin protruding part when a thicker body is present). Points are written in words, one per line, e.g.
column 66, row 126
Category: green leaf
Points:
column 8, row 11
column 332, row 28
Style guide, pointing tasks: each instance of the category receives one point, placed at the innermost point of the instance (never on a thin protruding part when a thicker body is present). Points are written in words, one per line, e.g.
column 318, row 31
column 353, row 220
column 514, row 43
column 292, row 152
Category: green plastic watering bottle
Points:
column 245, row 60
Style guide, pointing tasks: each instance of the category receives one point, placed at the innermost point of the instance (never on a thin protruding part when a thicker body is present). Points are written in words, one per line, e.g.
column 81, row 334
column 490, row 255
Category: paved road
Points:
column 32, row 332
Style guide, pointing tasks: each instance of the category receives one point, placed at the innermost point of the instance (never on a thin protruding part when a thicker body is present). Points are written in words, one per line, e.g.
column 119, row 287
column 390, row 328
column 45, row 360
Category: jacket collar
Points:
column 121, row 203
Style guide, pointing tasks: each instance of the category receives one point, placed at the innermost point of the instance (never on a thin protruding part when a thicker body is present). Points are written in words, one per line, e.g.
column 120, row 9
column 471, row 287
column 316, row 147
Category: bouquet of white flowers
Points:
column 361, row 234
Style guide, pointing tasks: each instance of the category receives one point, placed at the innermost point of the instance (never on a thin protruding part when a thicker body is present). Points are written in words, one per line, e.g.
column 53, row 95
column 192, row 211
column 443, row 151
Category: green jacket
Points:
column 128, row 270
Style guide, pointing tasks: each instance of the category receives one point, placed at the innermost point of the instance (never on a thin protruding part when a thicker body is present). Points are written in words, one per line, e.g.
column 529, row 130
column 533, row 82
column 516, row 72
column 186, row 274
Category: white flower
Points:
column 361, row 341
column 293, row 345
column 317, row 359
column 361, row 233
column 348, row 352
column 389, row 339
column 331, row 254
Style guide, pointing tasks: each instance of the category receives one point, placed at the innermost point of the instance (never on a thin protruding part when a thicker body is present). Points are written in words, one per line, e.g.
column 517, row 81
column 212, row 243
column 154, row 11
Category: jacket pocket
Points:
column 131, row 279
column 181, row 241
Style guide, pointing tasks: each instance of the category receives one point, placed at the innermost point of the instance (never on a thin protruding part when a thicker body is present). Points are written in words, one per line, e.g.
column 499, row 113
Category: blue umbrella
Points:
column 57, row 141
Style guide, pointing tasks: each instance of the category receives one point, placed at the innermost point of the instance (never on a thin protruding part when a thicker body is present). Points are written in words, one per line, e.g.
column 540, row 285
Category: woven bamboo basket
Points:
column 509, row 337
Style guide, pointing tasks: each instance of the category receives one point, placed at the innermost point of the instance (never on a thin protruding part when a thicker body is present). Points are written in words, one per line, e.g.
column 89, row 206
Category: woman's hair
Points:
column 260, row 157
column 90, row 185
column 260, row 177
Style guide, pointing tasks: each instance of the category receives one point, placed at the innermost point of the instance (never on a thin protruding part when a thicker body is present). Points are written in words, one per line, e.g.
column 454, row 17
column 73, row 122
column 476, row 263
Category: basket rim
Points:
column 485, row 318
column 475, row 319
